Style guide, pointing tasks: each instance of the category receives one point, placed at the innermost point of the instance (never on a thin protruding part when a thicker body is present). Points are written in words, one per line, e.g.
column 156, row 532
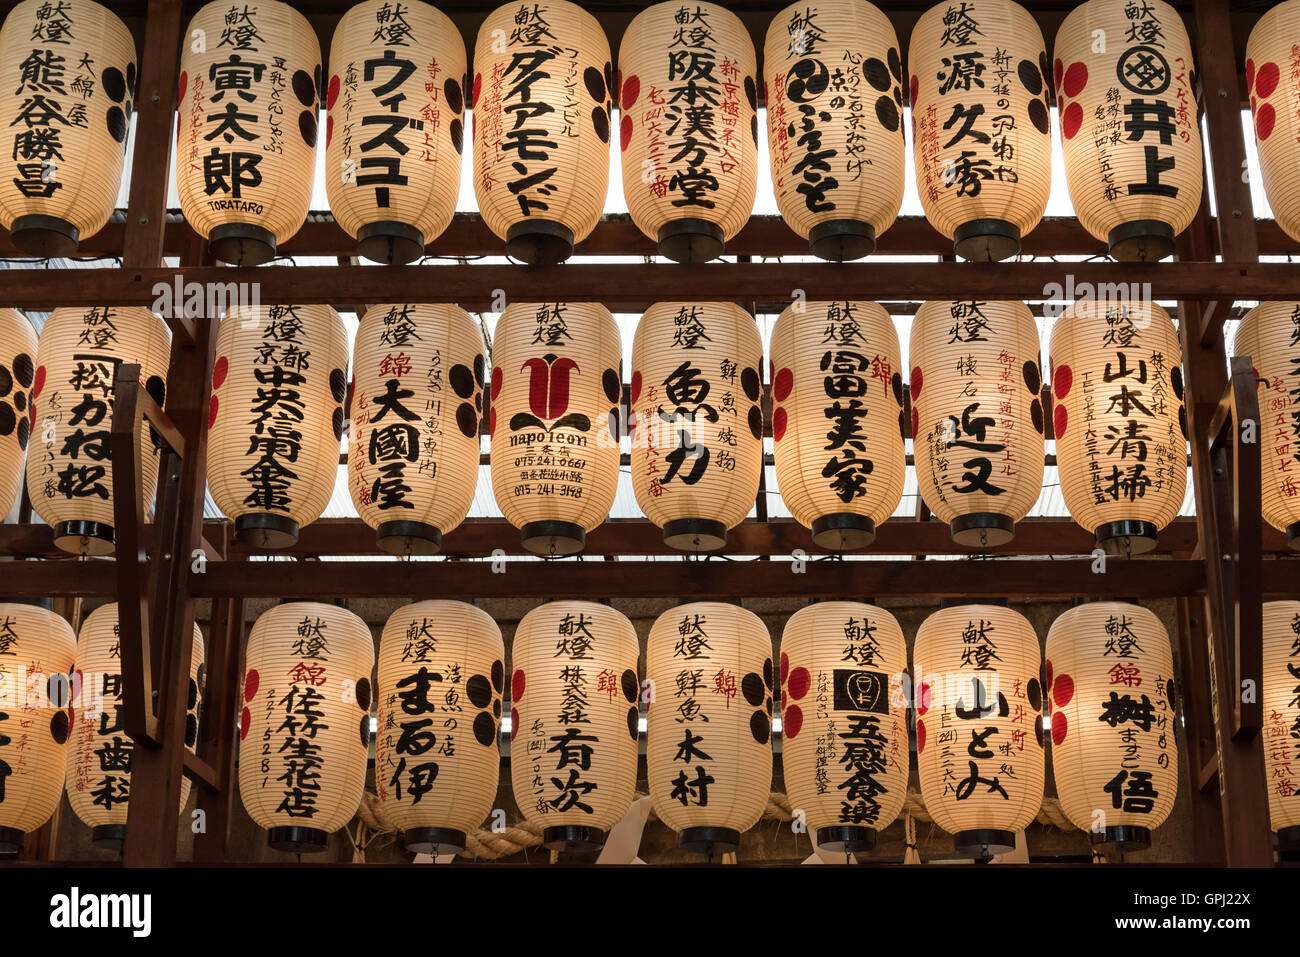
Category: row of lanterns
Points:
column 984, row 703
column 542, row 88
column 421, row 387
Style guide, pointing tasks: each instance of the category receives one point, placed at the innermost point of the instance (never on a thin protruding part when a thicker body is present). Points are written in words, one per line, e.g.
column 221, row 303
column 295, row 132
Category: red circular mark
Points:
column 916, row 382
column 785, row 666
column 782, row 385
column 635, row 390
column 791, row 721
column 514, row 723
column 245, row 719
column 251, row 681
column 630, row 91
column 1071, row 120
column 1062, row 380
column 1250, row 74
column 212, row 412
column 1058, row 727
column 920, row 736
column 1266, row 80
column 1265, row 120
column 517, row 685
column 1060, row 418
column 624, row 133
column 779, row 423
column 1076, row 78
column 923, row 699
column 800, row 682
column 492, row 422
column 38, row 383
column 333, row 93
column 1058, row 71
column 497, row 379
column 1062, row 690
column 329, row 130
column 914, row 88
column 1049, row 673
column 220, row 369
column 180, row 89
column 916, row 422
column 478, row 85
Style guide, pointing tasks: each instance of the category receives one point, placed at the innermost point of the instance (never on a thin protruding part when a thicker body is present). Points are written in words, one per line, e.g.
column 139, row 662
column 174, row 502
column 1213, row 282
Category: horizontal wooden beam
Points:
column 74, row 578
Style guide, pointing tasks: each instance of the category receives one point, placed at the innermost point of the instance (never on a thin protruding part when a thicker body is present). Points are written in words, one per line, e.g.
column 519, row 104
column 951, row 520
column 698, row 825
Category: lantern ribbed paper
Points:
column 276, row 418
column 1111, row 700
column 69, row 468
column 246, row 149
column 37, row 649
column 979, row 751
column 977, row 416
column 708, row 725
column 688, row 127
column 441, row 676
column 1270, row 336
column 844, row 746
column 394, row 130
column 1120, row 425
column 99, row 760
column 542, row 94
column 837, row 412
column 835, row 124
column 981, row 137
column 556, row 388
column 1273, row 84
column 574, row 723
column 1129, row 131
column 1280, row 699
column 68, row 75
column 17, row 372
column 305, row 726
column 696, row 420
column 418, row 379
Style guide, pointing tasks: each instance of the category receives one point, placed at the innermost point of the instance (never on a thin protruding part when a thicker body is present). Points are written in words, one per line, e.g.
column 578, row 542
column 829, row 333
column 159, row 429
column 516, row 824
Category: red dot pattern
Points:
column 1261, row 83
column 1070, row 82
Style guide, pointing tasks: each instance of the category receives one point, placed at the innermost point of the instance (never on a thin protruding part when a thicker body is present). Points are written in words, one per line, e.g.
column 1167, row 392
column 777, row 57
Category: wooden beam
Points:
column 217, row 730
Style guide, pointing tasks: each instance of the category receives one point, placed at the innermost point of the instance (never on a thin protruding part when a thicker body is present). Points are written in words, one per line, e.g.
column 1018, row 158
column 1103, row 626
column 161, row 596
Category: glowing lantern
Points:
column 981, row 137
column 1273, row 84
column 1280, row 691
column 417, row 398
column 1120, row 424
column 556, row 388
column 977, row 416
column 1128, row 124
column 17, row 370
column 394, row 127
column 689, row 191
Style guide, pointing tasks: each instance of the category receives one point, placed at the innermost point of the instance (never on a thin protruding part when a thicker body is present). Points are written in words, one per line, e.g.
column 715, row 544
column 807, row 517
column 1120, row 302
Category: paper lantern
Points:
column 1121, row 428
column 574, row 723
column 835, row 124
column 17, row 370
column 68, row 75
column 99, row 760
column 1280, row 700
column 708, row 724
column 1273, row 84
column 246, row 142
column 37, row 649
column 1270, row 336
column 69, row 466
column 844, row 747
column 837, row 411
column 688, row 127
column 418, row 378
column 696, row 420
column 276, row 419
column 1111, row 700
column 979, row 749
column 977, row 416
column 1128, row 124
column 556, row 387
column 305, row 727
column 981, row 137
column 441, row 676
column 543, row 86
column 394, row 129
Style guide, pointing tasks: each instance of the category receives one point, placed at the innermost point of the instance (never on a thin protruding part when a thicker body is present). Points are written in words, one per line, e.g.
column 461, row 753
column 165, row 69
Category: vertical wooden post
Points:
column 217, row 735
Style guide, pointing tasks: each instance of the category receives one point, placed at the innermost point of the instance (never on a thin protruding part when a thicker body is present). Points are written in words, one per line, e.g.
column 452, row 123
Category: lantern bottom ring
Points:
column 297, row 840
column 263, row 530
column 709, row 841
column 575, row 838
column 1127, row 538
column 84, row 538
column 843, row 531
column 435, row 840
column 695, row 534
column 108, row 836
column 690, row 240
column 46, row 236
column 553, row 538
column 1288, row 843
column 242, row 244
column 1293, row 536
column 539, row 242
column 983, row 843
column 408, row 538
column 846, row 839
column 1125, row 837
column 986, row 240
column 982, row 529
column 1142, row 240
column 842, row 240
column 12, row 840
column 390, row 242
